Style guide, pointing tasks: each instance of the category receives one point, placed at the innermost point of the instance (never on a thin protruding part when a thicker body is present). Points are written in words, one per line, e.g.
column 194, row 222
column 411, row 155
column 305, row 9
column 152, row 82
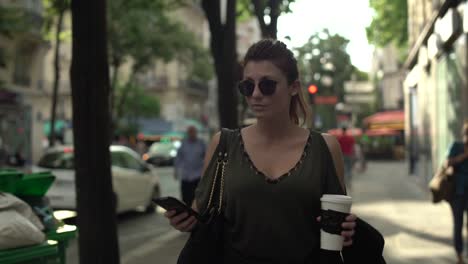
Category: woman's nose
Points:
column 256, row 91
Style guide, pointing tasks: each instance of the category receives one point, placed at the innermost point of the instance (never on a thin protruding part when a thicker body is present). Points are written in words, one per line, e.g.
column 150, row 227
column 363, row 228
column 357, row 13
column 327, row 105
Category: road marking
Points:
column 150, row 246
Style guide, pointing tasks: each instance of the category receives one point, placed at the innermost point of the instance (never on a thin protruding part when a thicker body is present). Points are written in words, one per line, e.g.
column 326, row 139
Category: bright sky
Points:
column 348, row 18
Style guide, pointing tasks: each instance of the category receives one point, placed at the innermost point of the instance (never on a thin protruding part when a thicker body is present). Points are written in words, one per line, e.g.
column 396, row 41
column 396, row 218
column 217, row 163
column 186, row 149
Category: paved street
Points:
column 138, row 230
column 415, row 230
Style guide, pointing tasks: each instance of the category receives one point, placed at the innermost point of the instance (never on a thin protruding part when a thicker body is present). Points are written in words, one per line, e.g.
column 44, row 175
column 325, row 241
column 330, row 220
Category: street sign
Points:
column 326, row 100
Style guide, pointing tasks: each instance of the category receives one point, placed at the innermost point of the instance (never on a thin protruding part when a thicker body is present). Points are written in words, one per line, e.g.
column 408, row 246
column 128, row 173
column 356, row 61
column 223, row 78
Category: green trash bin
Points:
column 34, row 184
column 63, row 235
column 45, row 253
column 9, row 179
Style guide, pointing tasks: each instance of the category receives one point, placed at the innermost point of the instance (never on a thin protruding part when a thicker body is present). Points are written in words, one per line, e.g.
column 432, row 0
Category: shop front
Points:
column 384, row 135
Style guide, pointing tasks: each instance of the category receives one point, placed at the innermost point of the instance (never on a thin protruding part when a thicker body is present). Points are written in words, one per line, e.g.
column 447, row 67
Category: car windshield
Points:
column 57, row 160
column 161, row 147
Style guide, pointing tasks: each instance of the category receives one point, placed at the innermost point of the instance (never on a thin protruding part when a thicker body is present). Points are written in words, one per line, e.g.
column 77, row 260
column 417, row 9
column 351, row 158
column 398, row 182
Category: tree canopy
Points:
column 324, row 61
column 389, row 23
column 138, row 103
column 12, row 21
column 142, row 32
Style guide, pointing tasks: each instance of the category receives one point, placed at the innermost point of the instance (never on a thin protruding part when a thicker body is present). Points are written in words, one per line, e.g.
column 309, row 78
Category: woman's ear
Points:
column 294, row 88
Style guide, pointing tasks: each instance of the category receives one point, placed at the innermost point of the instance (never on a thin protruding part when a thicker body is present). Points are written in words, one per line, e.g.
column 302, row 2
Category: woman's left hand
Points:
column 348, row 229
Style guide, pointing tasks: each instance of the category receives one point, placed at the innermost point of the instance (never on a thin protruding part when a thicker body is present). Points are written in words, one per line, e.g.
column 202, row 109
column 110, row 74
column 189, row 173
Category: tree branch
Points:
column 259, row 13
column 274, row 14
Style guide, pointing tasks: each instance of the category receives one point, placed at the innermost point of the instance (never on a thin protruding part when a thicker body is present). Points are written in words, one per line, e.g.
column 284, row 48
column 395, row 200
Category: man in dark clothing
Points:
column 189, row 164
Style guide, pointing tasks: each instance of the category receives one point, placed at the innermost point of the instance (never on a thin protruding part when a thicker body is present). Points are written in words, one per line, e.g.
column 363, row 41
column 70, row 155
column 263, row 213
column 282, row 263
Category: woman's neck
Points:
column 275, row 129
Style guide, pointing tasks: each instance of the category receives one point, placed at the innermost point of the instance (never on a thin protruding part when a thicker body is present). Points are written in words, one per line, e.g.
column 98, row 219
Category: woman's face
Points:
column 276, row 104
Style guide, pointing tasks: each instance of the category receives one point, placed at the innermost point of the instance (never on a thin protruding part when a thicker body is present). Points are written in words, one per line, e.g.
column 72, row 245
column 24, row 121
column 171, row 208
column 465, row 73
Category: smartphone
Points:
column 170, row 203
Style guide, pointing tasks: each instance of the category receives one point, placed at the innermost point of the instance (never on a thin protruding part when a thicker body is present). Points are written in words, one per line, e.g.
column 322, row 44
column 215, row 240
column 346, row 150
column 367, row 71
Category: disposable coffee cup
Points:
column 339, row 203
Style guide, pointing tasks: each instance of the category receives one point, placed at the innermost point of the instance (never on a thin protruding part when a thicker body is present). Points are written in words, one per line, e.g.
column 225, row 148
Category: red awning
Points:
column 383, row 120
column 383, row 117
column 382, row 132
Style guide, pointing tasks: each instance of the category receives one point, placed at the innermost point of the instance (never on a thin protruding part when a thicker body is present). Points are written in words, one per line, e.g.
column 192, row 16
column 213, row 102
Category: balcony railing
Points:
column 195, row 86
column 153, row 83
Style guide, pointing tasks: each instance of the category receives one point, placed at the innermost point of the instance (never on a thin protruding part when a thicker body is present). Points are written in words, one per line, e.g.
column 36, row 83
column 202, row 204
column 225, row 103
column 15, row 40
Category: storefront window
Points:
column 449, row 98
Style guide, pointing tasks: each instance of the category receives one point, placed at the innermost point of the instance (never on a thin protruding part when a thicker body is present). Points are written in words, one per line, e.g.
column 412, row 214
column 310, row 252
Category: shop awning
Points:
column 355, row 132
column 394, row 120
column 382, row 132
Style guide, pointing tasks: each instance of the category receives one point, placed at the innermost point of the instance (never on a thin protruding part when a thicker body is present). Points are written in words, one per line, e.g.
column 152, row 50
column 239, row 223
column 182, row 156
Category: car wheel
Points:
column 150, row 207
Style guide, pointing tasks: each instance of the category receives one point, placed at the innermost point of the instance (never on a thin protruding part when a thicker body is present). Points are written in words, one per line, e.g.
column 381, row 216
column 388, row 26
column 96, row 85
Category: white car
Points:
column 134, row 181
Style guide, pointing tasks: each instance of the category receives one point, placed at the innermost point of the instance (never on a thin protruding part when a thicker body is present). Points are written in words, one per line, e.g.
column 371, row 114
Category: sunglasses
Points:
column 266, row 86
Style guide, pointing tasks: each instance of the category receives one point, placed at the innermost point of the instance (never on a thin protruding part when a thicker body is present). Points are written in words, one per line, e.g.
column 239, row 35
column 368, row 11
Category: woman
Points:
column 277, row 170
column 458, row 158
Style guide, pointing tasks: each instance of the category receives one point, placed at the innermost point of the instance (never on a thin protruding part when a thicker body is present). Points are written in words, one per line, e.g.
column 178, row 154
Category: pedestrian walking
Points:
column 276, row 170
column 347, row 144
column 189, row 164
column 458, row 158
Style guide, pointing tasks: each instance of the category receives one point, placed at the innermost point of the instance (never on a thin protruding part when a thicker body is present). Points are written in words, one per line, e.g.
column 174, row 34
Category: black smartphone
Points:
column 170, row 203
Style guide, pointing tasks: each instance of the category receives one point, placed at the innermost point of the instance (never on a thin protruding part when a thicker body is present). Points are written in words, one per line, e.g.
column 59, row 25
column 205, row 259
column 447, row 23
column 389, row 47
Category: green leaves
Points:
column 144, row 31
column 137, row 102
column 12, row 21
column 324, row 61
column 52, row 10
column 389, row 24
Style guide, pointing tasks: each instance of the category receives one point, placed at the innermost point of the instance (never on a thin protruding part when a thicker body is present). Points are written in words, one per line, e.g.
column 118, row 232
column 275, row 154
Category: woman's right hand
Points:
column 180, row 221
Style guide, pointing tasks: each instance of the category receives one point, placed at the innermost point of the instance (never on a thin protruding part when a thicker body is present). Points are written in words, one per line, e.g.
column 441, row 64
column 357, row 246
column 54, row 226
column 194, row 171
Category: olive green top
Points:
column 272, row 221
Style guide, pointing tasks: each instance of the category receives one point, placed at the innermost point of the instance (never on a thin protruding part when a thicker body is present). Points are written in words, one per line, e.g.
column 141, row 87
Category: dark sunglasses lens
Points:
column 246, row 88
column 267, row 87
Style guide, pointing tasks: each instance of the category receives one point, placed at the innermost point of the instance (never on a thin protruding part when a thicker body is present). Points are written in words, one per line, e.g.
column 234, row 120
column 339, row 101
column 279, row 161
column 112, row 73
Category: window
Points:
column 131, row 162
column 125, row 160
column 118, row 160
column 22, row 71
column 58, row 160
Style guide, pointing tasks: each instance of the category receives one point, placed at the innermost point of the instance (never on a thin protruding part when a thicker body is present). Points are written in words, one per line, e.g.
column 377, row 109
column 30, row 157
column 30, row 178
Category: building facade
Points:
column 386, row 71
column 435, row 87
column 20, row 83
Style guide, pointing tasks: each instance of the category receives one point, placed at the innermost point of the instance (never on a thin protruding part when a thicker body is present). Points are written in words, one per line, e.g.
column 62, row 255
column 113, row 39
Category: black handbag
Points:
column 206, row 242
column 368, row 245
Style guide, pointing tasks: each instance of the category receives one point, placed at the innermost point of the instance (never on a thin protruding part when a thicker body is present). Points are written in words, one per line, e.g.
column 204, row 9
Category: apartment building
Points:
column 20, row 82
column 435, row 86
column 386, row 69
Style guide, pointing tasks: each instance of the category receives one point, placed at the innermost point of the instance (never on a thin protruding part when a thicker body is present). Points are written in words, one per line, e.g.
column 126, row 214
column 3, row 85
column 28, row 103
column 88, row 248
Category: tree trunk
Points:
column 90, row 93
column 53, row 111
column 270, row 30
column 113, row 122
column 223, row 49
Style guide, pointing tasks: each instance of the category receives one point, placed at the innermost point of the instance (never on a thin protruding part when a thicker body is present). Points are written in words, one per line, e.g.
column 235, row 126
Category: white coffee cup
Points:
column 340, row 203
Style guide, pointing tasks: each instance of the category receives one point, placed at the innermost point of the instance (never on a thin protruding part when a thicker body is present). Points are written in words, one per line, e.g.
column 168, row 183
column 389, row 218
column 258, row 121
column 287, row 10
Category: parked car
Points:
column 135, row 182
column 162, row 153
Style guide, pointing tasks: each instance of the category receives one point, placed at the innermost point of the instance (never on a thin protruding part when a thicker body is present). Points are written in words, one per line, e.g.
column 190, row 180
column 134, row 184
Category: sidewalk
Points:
column 415, row 230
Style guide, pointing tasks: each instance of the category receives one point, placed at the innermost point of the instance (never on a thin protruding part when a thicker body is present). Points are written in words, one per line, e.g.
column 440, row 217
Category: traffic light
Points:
column 312, row 89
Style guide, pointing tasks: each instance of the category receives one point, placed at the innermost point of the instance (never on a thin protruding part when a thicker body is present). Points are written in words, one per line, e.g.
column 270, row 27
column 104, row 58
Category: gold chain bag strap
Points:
column 219, row 173
column 206, row 242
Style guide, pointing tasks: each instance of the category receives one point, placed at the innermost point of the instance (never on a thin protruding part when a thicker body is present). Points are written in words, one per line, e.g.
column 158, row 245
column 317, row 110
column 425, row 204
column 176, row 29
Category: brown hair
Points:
column 277, row 53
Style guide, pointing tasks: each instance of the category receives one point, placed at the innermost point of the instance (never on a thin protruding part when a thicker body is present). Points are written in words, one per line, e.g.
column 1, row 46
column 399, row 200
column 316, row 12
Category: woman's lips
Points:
column 258, row 107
